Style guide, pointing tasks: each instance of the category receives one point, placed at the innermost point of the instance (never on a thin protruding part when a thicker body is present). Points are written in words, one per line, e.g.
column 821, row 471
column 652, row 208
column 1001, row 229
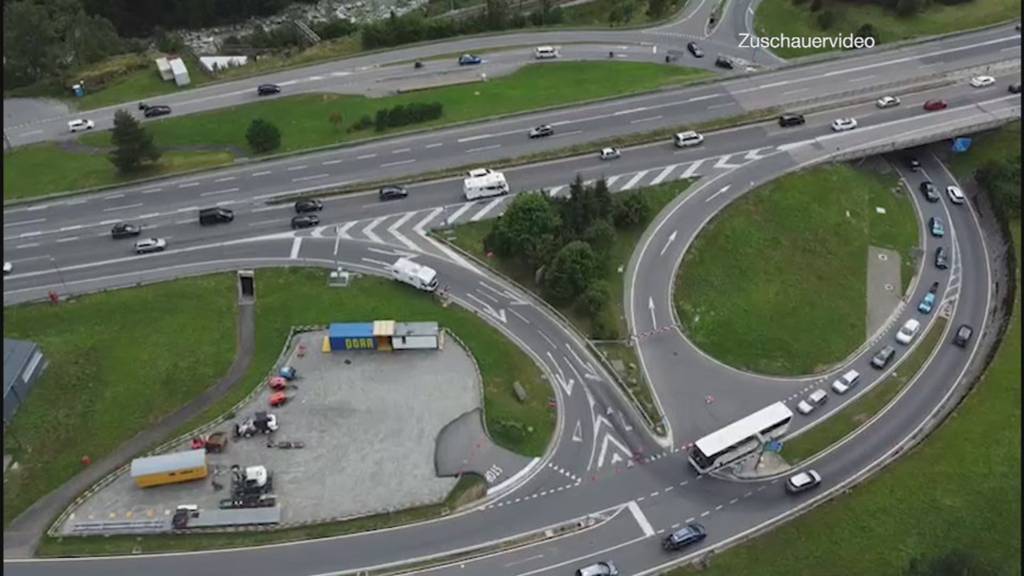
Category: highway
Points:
column 633, row 486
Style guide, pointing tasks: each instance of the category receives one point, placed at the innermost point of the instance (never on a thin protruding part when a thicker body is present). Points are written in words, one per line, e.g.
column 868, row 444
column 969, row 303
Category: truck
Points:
column 485, row 186
column 261, row 423
column 416, row 275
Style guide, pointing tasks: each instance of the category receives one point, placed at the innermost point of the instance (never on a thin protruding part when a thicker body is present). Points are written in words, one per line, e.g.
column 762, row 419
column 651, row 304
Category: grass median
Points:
column 776, row 283
column 304, row 120
column 117, row 363
column 470, row 237
column 795, row 18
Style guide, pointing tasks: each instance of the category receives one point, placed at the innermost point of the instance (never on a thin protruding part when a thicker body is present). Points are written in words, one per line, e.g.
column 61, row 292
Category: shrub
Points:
column 263, row 136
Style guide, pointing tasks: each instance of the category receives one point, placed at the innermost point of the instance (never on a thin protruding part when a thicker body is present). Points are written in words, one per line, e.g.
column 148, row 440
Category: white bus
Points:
column 485, row 186
column 740, row 438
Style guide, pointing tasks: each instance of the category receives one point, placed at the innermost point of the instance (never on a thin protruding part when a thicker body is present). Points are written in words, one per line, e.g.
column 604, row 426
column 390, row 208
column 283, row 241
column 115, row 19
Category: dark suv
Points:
column 941, row 260
column 305, row 221
column 928, row 189
column 124, row 230
column 963, row 335
column 267, row 89
column 309, row 205
column 692, row 533
column 392, row 192
column 882, row 357
column 154, row 111
column 791, row 120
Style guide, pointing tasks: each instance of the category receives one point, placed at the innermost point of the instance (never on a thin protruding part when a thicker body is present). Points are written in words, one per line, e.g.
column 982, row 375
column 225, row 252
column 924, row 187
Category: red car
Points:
column 933, row 105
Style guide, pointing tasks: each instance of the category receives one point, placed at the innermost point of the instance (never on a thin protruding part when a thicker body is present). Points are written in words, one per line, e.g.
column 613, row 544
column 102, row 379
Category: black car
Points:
column 154, row 111
column 928, row 189
column 694, row 49
column 791, row 120
column 308, row 205
column 723, row 62
column 914, row 164
column 1015, row 88
column 963, row 335
column 125, row 230
column 267, row 89
column 881, row 358
column 685, row 536
column 305, row 221
column 941, row 261
column 393, row 192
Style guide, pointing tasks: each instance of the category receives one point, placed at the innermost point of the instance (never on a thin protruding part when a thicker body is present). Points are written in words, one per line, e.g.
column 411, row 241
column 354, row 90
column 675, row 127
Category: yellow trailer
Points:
column 169, row 468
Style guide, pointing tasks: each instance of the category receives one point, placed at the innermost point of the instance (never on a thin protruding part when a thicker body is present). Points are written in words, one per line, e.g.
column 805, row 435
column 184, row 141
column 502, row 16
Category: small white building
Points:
column 180, row 72
column 164, row 68
column 417, row 336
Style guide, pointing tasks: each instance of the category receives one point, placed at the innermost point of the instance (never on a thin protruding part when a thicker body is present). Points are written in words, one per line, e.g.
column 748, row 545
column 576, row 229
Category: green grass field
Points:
column 960, row 489
column 42, row 169
column 776, row 283
column 117, row 363
column 304, row 120
column 776, row 17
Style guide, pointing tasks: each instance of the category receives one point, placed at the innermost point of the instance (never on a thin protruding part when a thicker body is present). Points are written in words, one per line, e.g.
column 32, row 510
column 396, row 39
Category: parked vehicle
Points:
column 610, row 153
column 124, row 230
column 818, row 397
column 150, row 245
column 881, row 358
column 392, row 192
column 804, row 407
column 469, row 59
column 688, row 535
column 80, row 124
column 416, row 275
column 787, row 120
column 908, row 331
column 963, row 335
column 208, row 216
column 267, row 89
column 305, row 221
column 308, row 205
column 802, row 481
column 941, row 260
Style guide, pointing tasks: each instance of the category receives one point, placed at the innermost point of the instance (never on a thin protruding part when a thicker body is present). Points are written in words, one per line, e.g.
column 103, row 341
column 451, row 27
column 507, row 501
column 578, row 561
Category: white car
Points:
column 80, row 124
column 956, row 195
column 802, row 481
column 845, row 382
column 610, row 153
column 478, row 172
column 150, row 245
column 844, row 124
column 8, row 267
column 688, row 138
column 982, row 81
column 887, row 102
column 908, row 331
column 804, row 407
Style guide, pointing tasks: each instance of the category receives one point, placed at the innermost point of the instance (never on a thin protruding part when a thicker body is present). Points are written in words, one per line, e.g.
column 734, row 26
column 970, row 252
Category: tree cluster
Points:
column 138, row 18
column 1001, row 178
column 951, row 563
column 403, row 115
column 414, row 27
column 569, row 240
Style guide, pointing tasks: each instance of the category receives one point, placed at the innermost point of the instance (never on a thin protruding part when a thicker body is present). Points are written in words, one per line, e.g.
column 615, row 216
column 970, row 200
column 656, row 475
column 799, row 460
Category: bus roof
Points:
column 743, row 428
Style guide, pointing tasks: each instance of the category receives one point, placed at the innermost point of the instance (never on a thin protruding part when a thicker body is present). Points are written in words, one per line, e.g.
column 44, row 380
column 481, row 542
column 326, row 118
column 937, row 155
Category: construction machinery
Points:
column 260, row 423
column 250, row 488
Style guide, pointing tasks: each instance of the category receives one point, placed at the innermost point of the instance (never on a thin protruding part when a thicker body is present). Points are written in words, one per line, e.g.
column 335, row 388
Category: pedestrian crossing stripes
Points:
column 409, row 230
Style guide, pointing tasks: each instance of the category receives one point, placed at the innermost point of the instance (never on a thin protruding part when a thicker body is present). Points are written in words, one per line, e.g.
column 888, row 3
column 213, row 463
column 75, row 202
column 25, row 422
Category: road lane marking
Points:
column 113, row 196
column 70, row 228
column 365, row 156
column 401, row 151
column 263, row 222
column 393, row 230
column 639, row 120
column 330, row 162
column 343, row 230
column 151, row 190
column 419, row 227
column 455, row 216
column 632, row 182
column 125, row 207
column 434, row 145
column 23, row 222
column 188, row 185
column 482, row 148
column 276, row 207
column 397, row 163
column 29, row 245
column 296, row 244
column 187, row 209
column 663, row 174
column 215, row 192
column 490, row 206
column 313, row 177
column 638, row 515
column 263, row 173
column 39, row 207
column 368, row 231
column 68, row 239
column 294, row 168
column 225, row 179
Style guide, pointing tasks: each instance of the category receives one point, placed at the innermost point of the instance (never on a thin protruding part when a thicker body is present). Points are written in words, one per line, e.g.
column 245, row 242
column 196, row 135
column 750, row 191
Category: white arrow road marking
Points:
column 497, row 314
column 640, row 518
column 419, row 228
column 691, row 170
column 723, row 162
column 455, row 215
column 755, row 154
column 671, row 238
column 393, row 230
column 664, row 174
column 514, row 300
column 632, row 182
column 577, row 432
column 566, row 385
column 591, row 374
column 625, row 424
column 650, row 306
column 368, row 231
column 490, row 206
column 296, row 244
column 712, row 197
column 343, row 230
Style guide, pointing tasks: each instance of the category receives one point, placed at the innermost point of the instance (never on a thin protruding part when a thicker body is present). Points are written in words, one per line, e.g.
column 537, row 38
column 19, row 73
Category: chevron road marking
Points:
column 638, row 515
column 632, row 182
column 611, row 181
column 723, row 162
column 368, row 231
column 691, row 170
column 393, row 230
column 462, row 210
column 419, row 227
column 664, row 174
column 343, row 230
column 755, row 154
column 490, row 206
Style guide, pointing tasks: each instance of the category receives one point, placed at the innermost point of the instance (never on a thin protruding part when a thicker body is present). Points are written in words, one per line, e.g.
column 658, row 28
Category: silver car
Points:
column 598, row 569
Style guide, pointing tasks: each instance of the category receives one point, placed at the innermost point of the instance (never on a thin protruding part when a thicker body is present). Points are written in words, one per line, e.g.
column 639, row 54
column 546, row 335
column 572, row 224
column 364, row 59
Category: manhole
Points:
column 888, row 287
column 883, row 257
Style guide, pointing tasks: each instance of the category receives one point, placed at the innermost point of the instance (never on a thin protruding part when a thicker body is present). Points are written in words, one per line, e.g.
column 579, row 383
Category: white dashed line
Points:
column 125, row 207
column 482, row 148
column 216, row 192
column 29, row 245
column 401, row 151
column 264, row 173
column 330, row 162
column 188, row 185
column 313, row 177
column 294, row 168
column 113, row 196
column 225, row 179
column 68, row 239
column 389, row 164
column 434, row 145
column 365, row 156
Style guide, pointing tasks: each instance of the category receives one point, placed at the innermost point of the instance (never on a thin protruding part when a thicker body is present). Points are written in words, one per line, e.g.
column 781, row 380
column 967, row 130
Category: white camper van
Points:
column 485, row 186
column 416, row 275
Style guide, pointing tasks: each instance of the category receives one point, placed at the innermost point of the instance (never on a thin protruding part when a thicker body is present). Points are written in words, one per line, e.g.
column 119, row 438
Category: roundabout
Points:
column 605, row 472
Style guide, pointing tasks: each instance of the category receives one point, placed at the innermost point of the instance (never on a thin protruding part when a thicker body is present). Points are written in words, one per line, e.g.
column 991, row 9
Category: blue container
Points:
column 352, row 336
column 287, row 372
column 79, row 90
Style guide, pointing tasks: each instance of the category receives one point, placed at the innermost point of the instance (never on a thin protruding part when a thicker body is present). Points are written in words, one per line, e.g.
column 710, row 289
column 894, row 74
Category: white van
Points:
column 492, row 184
column 688, row 138
column 416, row 275
column 545, row 52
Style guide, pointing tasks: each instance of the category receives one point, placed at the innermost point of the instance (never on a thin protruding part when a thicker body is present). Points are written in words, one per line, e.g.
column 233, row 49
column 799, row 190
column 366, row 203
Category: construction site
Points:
column 344, row 408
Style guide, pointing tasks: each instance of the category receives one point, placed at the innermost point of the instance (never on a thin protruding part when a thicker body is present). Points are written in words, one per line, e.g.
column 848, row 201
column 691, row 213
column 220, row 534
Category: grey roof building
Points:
column 23, row 363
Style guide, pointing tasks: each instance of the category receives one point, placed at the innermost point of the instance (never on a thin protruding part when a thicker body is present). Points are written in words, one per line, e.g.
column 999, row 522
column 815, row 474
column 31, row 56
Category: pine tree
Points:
column 132, row 144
